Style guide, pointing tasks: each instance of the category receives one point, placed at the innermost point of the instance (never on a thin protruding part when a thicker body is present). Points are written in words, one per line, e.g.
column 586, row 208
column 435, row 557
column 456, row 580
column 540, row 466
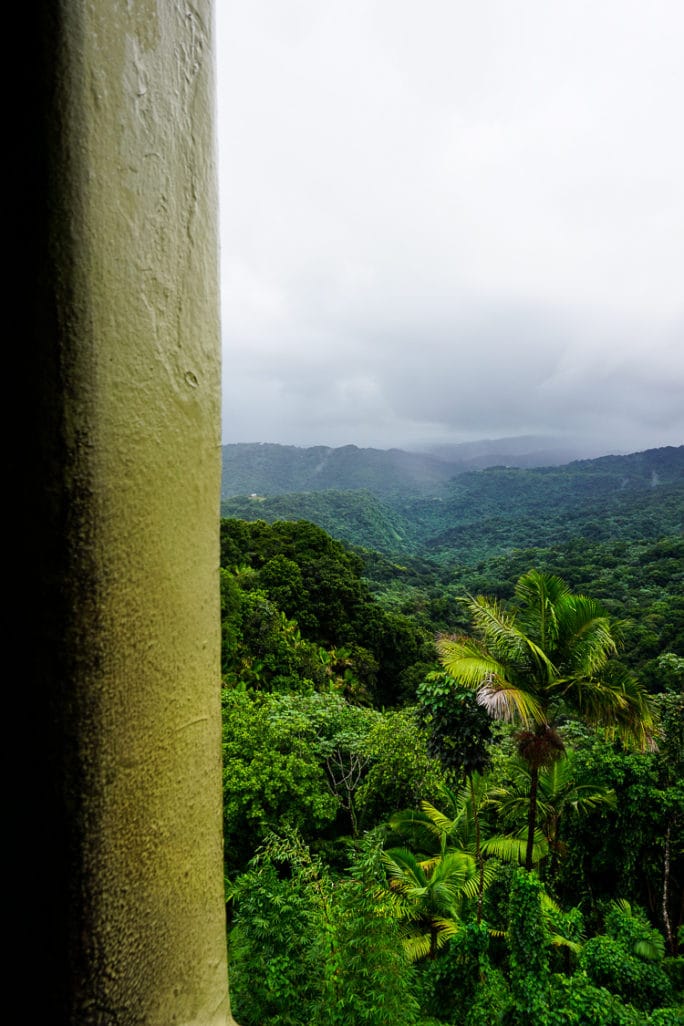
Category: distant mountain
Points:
column 271, row 469
column 500, row 508
column 475, row 514
column 521, row 451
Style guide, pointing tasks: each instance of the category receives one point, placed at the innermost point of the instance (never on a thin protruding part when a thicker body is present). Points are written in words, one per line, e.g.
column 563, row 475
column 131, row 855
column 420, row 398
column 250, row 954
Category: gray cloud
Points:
column 451, row 221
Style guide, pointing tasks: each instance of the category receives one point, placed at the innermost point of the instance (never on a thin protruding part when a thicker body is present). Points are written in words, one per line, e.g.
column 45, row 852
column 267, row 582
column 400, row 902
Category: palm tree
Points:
column 558, row 795
column 466, row 826
column 547, row 652
column 429, row 895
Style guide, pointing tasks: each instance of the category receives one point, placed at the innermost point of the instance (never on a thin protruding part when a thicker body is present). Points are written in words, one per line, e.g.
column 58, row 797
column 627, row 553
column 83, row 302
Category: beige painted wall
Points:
column 128, row 452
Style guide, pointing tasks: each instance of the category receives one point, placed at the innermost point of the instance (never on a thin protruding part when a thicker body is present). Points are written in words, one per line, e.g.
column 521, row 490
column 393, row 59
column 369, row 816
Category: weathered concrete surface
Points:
column 126, row 660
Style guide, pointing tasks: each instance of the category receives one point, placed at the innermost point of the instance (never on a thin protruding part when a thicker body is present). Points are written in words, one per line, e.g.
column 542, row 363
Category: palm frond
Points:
column 512, row 805
column 642, row 938
column 538, row 596
column 616, row 702
column 471, row 887
column 512, row 847
column 418, row 827
column 467, row 662
column 650, row 949
column 548, row 904
column 588, row 637
column 403, row 869
column 498, row 630
column 417, row 946
column 505, row 701
column 535, row 588
column 556, row 921
column 548, row 647
column 448, row 928
column 428, row 862
column 559, row 941
column 590, row 796
column 441, row 824
column 490, row 670
column 456, row 865
column 445, row 894
column 558, row 790
column 490, row 872
column 421, row 943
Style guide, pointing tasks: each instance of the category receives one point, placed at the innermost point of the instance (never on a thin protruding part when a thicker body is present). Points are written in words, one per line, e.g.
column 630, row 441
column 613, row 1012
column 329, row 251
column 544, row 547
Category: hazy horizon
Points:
column 511, row 448
column 452, row 223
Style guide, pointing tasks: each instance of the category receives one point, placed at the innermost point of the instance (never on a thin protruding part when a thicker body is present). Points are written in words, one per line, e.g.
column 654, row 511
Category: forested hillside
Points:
column 270, row 469
column 356, row 517
column 448, row 809
column 482, row 513
column 278, row 469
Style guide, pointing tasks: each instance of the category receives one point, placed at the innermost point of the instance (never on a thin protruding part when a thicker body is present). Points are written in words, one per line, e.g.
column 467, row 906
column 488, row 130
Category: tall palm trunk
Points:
column 532, row 815
column 478, row 850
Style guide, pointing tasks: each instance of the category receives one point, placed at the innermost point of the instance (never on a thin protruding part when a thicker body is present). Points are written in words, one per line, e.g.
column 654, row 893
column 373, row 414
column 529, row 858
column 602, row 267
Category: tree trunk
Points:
column 669, row 933
column 478, row 851
column 532, row 815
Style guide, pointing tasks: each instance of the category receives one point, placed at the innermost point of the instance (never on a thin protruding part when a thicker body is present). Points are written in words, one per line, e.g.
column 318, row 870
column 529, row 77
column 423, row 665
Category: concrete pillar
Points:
column 117, row 820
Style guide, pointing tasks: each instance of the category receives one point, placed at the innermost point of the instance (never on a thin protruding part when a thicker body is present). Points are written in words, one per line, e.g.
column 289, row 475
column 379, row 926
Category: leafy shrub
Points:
column 666, row 1017
column 308, row 949
column 674, row 967
column 528, row 958
column 272, row 974
column 576, row 1001
column 461, row 985
column 609, row 964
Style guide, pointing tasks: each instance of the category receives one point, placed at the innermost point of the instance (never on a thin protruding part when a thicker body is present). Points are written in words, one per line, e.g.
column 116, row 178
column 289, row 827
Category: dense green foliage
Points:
column 309, row 949
column 296, row 607
column 545, row 656
column 483, row 513
column 355, row 516
column 377, row 818
column 641, row 583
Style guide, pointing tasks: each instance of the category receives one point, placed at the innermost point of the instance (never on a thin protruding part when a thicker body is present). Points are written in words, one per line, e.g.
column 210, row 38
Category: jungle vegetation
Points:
column 453, row 789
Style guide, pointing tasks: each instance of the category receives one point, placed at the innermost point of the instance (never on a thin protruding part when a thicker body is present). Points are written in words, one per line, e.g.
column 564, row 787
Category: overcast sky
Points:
column 446, row 220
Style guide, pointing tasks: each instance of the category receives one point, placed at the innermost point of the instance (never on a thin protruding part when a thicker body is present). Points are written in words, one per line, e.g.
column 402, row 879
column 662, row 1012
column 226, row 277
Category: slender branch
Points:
column 669, row 933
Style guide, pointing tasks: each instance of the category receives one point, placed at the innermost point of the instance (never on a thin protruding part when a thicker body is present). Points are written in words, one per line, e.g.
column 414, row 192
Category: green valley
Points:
column 454, row 751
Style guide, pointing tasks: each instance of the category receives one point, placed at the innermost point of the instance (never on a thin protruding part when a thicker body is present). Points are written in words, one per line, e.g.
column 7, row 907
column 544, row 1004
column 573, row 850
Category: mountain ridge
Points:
column 493, row 510
column 270, row 468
